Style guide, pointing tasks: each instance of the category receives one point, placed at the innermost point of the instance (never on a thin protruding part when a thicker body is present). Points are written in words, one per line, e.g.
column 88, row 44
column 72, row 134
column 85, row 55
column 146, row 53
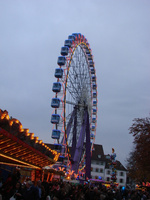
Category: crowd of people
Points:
column 12, row 189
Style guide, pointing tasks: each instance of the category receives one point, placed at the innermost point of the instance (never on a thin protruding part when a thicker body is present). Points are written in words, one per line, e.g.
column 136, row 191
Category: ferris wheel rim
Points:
column 84, row 45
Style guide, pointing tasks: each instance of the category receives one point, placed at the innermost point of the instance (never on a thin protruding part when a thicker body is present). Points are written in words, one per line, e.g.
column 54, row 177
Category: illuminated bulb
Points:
column 10, row 123
column 32, row 138
column 20, row 127
column 32, row 134
column 7, row 117
column 40, row 141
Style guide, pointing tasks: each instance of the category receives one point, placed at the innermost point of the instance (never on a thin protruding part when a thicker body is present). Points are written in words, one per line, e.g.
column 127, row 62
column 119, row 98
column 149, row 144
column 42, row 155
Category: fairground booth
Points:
column 22, row 151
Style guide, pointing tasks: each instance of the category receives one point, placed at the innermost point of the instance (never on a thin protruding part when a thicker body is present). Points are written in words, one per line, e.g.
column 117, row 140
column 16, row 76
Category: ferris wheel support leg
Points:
column 88, row 151
column 79, row 147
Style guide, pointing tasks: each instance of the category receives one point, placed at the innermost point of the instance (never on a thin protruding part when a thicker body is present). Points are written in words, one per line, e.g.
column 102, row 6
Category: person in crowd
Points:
column 41, row 190
column 17, row 192
column 31, row 192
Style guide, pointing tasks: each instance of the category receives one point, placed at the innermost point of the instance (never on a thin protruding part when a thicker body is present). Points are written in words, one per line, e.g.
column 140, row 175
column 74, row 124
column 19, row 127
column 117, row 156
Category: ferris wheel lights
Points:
column 61, row 60
column 56, row 87
column 59, row 72
column 56, row 134
column 68, row 43
column 64, row 51
column 55, row 119
column 55, row 103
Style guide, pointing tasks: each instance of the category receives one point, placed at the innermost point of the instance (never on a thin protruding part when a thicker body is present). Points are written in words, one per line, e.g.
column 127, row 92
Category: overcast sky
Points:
column 32, row 33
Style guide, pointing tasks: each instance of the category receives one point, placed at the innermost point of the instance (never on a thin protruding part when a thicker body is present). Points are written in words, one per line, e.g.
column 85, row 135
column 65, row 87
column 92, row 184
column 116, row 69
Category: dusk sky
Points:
column 32, row 33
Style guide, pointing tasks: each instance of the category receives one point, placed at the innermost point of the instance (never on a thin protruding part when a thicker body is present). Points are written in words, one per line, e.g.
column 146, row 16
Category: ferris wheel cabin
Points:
column 94, row 86
column 94, row 111
column 87, row 50
column 55, row 103
column 78, row 35
column 93, row 128
column 94, row 94
column 68, row 43
column 56, row 134
column 64, row 51
column 57, row 147
column 93, row 120
column 56, row 87
column 59, row 72
column 94, row 103
column 92, row 136
column 71, row 37
column 92, row 71
column 91, row 63
column 55, row 119
column 93, row 78
column 61, row 60
column 90, row 57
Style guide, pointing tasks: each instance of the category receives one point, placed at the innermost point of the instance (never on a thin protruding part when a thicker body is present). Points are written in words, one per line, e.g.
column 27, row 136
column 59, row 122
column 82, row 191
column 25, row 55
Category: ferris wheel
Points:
column 74, row 116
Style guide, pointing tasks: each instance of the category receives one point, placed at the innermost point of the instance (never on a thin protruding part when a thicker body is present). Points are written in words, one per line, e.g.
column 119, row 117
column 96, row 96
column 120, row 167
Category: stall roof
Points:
column 13, row 151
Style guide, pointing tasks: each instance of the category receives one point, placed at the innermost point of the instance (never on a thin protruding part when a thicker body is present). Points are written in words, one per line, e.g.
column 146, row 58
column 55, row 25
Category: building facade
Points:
column 100, row 167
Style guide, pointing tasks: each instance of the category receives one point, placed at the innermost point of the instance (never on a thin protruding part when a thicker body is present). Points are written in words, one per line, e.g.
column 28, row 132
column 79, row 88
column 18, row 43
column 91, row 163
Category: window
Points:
column 97, row 170
column 99, row 156
column 101, row 163
column 108, row 179
column 108, row 172
column 97, row 162
column 91, row 169
column 93, row 162
column 121, row 180
column 101, row 170
column 121, row 174
column 96, row 177
column 108, row 156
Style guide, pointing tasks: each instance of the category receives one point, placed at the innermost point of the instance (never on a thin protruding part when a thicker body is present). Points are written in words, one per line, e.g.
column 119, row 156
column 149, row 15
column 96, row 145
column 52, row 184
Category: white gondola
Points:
column 61, row 60
column 94, row 94
column 78, row 35
column 56, row 87
column 94, row 103
column 55, row 103
column 56, row 134
column 68, row 43
column 93, row 120
column 87, row 51
column 92, row 136
column 55, row 119
column 59, row 72
column 91, row 63
column 92, row 71
column 94, row 86
column 93, row 78
column 61, row 158
column 90, row 57
column 94, row 111
column 71, row 37
column 93, row 128
column 64, row 51
column 57, row 147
